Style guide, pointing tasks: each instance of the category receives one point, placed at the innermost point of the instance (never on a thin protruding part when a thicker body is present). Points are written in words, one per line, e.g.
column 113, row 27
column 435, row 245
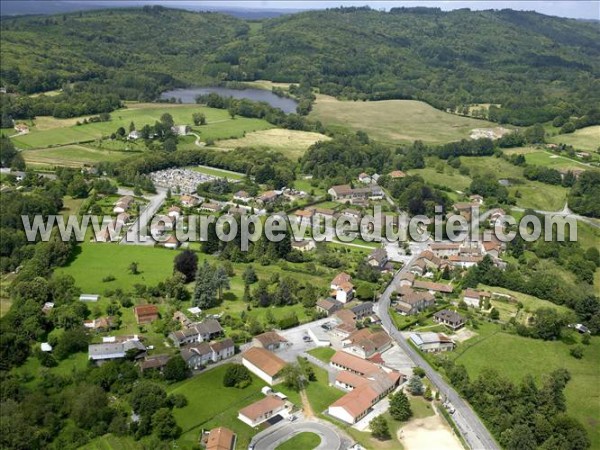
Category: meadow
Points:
column 395, row 121
column 587, row 139
column 72, row 156
column 538, row 157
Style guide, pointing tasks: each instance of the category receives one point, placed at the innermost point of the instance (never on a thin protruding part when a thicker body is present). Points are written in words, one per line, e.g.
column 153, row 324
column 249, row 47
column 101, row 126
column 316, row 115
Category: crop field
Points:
column 291, row 143
column 396, row 120
column 538, row 157
column 72, row 156
column 587, row 139
column 220, row 125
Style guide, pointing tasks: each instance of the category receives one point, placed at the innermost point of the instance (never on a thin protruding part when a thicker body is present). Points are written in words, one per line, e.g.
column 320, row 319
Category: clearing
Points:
column 396, row 120
column 291, row 143
column 427, row 433
column 544, row 158
column 72, row 156
column 587, row 138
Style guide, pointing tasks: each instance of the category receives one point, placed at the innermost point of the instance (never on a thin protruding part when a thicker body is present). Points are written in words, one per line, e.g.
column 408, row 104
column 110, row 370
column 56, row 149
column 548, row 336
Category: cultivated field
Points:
column 291, row 143
column 396, row 120
column 584, row 139
column 72, row 156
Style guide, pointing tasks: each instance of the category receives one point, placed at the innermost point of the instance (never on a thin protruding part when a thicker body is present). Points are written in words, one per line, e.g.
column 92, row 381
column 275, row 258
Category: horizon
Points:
column 585, row 10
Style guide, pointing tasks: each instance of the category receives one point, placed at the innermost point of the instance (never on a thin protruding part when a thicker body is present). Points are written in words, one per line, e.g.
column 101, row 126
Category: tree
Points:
column 167, row 120
column 293, row 377
column 494, row 314
column 428, row 395
column 205, row 290
column 576, row 352
column 164, row 424
column 147, row 397
column 400, row 407
column 221, row 281
column 419, row 371
column 78, row 188
column 186, row 263
column 415, row 385
column 176, row 369
column 237, row 376
column 199, row 119
column 379, row 428
column 134, row 268
column 249, row 275
column 131, row 127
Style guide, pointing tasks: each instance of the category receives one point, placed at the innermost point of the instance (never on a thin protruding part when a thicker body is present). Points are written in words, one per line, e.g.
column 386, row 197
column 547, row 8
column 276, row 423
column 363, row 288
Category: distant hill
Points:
column 536, row 67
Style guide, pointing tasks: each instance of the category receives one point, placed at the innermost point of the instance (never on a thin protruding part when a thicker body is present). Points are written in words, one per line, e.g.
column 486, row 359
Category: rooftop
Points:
column 265, row 360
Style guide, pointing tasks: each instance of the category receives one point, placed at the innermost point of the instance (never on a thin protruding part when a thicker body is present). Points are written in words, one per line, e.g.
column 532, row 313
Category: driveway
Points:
column 271, row 438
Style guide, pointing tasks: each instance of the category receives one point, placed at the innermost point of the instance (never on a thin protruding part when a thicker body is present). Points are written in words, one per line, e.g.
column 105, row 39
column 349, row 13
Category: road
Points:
column 565, row 212
column 273, row 436
column 133, row 235
column 470, row 426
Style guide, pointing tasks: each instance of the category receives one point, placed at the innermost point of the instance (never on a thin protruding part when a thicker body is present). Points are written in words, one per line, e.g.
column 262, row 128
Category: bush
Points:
column 237, row 376
column 577, row 352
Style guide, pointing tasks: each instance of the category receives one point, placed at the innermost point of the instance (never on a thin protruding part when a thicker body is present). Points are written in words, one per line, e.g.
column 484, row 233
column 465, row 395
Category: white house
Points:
column 263, row 363
column 475, row 298
column 262, row 410
column 430, row 342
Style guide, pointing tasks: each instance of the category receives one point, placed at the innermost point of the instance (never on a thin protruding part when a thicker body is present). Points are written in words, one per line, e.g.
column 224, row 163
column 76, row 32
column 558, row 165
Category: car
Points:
column 306, row 338
column 291, row 418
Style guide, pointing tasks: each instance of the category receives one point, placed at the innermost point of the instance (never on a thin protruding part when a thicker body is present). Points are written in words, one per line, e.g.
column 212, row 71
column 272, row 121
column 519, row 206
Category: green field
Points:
column 322, row 353
column 396, row 120
column 52, row 132
column 210, row 405
column 218, row 172
column 514, row 356
column 545, row 158
column 72, row 156
column 587, row 139
column 304, row 441
column 111, row 442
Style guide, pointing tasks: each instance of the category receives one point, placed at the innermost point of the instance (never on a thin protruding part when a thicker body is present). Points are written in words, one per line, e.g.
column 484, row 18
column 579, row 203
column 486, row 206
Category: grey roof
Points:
column 449, row 316
column 379, row 255
column 113, row 350
column 362, row 307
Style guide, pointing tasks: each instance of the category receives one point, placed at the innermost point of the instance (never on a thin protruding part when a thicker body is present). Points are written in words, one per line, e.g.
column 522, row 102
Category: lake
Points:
column 287, row 105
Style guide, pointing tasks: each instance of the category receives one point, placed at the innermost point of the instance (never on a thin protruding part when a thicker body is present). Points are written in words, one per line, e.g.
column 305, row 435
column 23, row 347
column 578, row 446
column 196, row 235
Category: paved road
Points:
column 274, row 436
column 470, row 426
column 133, row 236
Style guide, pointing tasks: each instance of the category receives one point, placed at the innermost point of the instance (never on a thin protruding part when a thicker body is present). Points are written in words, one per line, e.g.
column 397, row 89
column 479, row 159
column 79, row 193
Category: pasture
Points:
column 395, row 121
column 545, row 158
column 587, row 139
column 291, row 143
column 52, row 132
column 72, row 156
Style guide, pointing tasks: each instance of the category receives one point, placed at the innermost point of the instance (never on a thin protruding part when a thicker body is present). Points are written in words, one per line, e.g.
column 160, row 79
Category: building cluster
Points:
column 180, row 180
column 359, row 196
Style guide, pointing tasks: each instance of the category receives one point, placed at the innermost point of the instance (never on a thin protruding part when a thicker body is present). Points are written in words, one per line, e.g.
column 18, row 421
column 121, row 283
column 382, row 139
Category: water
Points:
column 287, row 105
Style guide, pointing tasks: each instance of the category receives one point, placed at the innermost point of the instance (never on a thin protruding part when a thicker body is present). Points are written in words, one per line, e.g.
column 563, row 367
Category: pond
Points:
column 287, row 105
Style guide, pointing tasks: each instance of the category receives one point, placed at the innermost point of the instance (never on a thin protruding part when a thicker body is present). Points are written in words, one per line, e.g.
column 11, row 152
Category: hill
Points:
column 535, row 67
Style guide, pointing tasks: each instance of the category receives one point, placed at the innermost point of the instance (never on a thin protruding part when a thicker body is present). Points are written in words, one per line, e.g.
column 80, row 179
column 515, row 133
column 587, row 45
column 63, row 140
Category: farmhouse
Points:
column 409, row 302
column 242, row 196
column 305, row 245
column 304, row 216
column 145, row 314
column 430, row 342
column 362, row 310
column 465, row 261
column 378, row 258
column 115, row 350
column 263, row 363
column 157, row 362
column 473, row 297
column 269, row 196
column 197, row 332
column 432, row 287
column 270, row 341
column 99, row 324
column 220, row 439
column 345, row 192
column 198, row 355
column 189, row 201
column 174, row 212
column 370, row 345
column 328, row 305
column 123, row 204
column 449, row 318
column 445, row 249
column 406, row 279
column 210, row 207
column 262, row 410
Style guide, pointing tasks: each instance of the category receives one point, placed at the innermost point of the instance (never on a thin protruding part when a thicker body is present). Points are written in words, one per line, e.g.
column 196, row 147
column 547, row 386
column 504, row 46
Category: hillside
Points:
column 536, row 67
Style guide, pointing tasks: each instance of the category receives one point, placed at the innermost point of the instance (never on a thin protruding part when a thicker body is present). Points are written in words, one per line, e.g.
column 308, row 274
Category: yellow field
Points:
column 587, row 139
column 291, row 143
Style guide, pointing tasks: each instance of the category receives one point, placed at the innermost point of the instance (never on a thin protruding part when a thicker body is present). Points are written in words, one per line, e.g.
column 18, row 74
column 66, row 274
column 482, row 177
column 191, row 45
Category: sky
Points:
column 580, row 9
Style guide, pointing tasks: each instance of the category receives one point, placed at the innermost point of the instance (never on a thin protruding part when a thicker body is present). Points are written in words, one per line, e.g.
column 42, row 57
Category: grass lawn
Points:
column 72, row 156
column 538, row 157
column 304, row 185
column 304, row 441
column 421, row 408
column 219, row 125
column 210, row 404
column 218, row 172
column 450, row 177
column 319, row 393
column 291, row 143
column 396, row 120
column 583, row 139
column 514, row 356
column 32, row 367
column 111, row 442
column 322, row 353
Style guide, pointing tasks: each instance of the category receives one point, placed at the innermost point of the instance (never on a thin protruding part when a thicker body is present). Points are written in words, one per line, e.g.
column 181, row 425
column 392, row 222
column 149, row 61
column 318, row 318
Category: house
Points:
column 378, row 258
column 305, row 245
column 123, row 204
column 465, row 261
column 367, row 346
column 364, row 178
column 122, row 219
column 157, row 362
column 263, row 363
column 174, row 212
column 164, row 222
column 268, row 197
column 449, row 318
column 430, row 342
column 473, row 297
column 180, row 130
column 206, row 330
column 344, row 292
column 262, row 410
column 134, row 135
column 328, row 305
column 271, row 341
column 200, row 354
column 433, row 287
column 242, row 196
column 108, row 351
column 476, row 199
column 180, row 317
column 445, row 249
column 465, row 209
column 323, row 213
column 396, row 174
column 411, row 302
column 189, row 201
column 362, row 310
column 418, row 267
column 406, row 279
column 210, row 207
column 220, row 438
column 340, row 278
column 99, row 324
column 171, row 242
column 237, row 211
column 495, row 215
column 304, row 216
column 145, row 313
column 353, row 214
column 45, row 347
column 345, row 361
column 492, row 248
column 346, row 193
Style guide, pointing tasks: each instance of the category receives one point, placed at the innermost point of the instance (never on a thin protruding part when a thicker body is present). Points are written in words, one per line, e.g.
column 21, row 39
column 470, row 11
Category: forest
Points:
column 522, row 63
